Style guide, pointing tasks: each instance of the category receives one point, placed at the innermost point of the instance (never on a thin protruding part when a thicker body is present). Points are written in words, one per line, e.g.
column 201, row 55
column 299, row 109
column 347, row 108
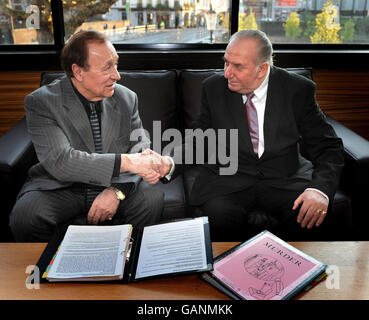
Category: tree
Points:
column 292, row 26
column 308, row 20
column 79, row 11
column 348, row 31
column 247, row 22
column 327, row 25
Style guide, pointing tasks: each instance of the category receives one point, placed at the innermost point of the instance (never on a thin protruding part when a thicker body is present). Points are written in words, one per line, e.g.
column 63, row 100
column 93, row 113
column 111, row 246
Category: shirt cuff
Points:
column 321, row 192
column 117, row 163
column 169, row 175
column 126, row 188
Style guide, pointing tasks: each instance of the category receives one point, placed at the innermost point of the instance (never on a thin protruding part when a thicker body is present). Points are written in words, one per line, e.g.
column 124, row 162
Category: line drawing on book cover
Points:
column 269, row 271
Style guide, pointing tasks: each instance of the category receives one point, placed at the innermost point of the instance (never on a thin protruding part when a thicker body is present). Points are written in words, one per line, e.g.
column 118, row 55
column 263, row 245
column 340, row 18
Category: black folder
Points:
column 132, row 257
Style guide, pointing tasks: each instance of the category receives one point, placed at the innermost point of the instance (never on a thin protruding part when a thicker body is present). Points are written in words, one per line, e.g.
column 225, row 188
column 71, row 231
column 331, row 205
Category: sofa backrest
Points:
column 190, row 90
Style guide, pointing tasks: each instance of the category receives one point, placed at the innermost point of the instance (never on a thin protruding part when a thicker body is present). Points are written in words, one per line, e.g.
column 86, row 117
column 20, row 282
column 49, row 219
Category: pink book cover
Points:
column 266, row 268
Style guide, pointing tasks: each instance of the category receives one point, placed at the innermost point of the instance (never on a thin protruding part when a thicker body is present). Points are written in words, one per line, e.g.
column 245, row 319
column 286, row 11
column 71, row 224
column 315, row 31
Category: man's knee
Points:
column 26, row 224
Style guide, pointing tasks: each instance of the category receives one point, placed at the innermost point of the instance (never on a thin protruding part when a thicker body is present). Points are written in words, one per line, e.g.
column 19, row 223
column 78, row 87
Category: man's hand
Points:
column 149, row 165
column 313, row 209
column 163, row 164
column 104, row 207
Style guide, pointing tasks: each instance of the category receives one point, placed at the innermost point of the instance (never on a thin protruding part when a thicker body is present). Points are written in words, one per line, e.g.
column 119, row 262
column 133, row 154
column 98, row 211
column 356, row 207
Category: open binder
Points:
column 165, row 249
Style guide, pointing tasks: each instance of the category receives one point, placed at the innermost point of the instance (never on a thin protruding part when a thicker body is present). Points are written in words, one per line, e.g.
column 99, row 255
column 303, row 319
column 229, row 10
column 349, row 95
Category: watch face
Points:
column 120, row 195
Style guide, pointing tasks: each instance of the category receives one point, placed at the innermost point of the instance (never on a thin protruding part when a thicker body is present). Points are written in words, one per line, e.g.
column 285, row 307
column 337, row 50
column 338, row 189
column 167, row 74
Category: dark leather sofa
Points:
column 174, row 97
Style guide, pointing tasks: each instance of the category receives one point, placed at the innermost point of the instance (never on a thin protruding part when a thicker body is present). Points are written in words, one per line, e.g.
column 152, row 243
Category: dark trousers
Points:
column 241, row 215
column 37, row 214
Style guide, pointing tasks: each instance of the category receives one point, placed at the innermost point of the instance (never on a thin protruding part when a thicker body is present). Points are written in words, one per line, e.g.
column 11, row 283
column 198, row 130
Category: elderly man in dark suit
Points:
column 273, row 111
column 89, row 170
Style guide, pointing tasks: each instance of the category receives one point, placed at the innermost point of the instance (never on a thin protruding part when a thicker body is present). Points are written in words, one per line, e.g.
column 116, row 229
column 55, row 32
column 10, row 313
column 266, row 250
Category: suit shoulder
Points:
column 125, row 97
column 52, row 89
column 122, row 90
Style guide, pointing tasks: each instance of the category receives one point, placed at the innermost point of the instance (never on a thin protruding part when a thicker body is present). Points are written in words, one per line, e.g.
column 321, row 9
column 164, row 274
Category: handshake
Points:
column 148, row 164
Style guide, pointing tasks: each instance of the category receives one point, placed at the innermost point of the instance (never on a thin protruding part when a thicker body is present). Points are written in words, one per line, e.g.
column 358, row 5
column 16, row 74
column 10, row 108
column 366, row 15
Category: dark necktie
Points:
column 92, row 191
column 95, row 126
column 252, row 117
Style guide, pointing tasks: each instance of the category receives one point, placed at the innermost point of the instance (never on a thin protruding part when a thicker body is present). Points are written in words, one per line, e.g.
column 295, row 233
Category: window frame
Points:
column 317, row 55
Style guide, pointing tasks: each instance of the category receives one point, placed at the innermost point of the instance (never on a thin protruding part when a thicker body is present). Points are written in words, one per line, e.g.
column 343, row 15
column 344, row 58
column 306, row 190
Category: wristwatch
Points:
column 119, row 193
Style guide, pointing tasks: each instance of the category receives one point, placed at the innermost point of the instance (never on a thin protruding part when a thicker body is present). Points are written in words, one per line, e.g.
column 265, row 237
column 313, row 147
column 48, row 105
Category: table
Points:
column 350, row 259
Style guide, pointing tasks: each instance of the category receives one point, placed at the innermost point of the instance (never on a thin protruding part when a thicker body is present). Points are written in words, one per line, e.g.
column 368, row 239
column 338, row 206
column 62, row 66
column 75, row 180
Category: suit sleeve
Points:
column 321, row 144
column 139, row 141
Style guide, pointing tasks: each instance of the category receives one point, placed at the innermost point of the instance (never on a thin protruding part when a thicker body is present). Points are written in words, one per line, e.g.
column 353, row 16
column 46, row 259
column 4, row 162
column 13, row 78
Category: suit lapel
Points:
column 273, row 109
column 77, row 114
column 110, row 122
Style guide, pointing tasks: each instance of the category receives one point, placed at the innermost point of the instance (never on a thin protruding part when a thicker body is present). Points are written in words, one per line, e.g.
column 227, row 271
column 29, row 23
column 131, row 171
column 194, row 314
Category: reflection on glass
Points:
column 307, row 21
column 149, row 21
column 26, row 22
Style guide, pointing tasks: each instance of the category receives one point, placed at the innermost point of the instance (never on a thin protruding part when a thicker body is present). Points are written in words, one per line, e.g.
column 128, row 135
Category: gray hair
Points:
column 265, row 53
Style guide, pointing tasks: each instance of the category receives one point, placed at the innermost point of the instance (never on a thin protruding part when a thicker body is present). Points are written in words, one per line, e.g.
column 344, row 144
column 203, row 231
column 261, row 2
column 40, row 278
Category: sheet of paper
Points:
column 172, row 247
column 91, row 251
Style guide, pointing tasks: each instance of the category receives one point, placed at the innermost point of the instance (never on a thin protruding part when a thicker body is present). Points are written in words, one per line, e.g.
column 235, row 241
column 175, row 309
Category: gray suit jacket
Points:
column 61, row 134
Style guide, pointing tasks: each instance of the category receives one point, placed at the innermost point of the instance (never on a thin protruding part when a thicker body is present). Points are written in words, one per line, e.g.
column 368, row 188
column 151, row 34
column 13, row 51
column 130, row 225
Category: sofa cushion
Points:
column 157, row 98
column 190, row 88
column 174, row 199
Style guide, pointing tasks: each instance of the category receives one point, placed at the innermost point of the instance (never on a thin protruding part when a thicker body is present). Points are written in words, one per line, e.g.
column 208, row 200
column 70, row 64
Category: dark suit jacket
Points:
column 61, row 134
column 291, row 115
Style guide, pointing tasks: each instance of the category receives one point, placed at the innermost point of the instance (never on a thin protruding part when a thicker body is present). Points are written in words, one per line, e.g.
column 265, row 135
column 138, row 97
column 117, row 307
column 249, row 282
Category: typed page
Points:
column 91, row 251
column 172, row 247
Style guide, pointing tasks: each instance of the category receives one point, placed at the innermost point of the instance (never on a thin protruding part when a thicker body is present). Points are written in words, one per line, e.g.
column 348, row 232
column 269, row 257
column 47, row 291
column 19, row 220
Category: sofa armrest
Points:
column 16, row 149
column 355, row 175
column 356, row 153
column 17, row 155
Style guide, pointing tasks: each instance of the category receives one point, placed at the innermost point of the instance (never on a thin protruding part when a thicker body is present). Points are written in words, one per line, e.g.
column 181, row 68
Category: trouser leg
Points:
column 142, row 207
column 37, row 214
column 228, row 216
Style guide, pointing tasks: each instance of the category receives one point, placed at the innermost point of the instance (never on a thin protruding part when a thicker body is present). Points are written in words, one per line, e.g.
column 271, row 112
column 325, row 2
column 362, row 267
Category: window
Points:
column 148, row 22
column 26, row 22
column 308, row 21
column 152, row 21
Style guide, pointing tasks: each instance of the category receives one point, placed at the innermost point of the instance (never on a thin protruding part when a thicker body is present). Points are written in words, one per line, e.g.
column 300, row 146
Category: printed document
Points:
column 91, row 252
column 171, row 248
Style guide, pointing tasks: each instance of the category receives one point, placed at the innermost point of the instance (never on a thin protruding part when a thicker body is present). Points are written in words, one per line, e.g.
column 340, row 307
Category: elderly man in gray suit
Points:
column 89, row 170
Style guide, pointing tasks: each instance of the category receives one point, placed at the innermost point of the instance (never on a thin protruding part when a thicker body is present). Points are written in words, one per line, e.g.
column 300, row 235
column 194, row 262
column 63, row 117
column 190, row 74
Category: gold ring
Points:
column 320, row 211
column 109, row 218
